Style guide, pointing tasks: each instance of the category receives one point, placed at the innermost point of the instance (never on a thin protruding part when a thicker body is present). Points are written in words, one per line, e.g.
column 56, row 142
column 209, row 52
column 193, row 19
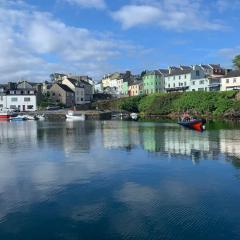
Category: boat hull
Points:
column 197, row 125
column 5, row 116
column 79, row 118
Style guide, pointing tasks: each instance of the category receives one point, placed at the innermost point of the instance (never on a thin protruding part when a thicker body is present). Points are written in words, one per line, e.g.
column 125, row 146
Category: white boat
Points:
column 29, row 117
column 71, row 115
column 134, row 116
column 40, row 117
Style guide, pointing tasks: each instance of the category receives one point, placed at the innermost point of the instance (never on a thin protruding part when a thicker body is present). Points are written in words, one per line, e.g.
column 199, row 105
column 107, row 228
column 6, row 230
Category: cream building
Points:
column 231, row 81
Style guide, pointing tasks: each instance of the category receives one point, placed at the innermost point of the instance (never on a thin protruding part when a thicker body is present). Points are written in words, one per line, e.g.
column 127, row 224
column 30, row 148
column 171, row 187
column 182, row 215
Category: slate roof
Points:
column 179, row 72
column 65, row 87
column 205, row 66
column 185, row 67
column 235, row 73
column 78, row 82
column 135, row 82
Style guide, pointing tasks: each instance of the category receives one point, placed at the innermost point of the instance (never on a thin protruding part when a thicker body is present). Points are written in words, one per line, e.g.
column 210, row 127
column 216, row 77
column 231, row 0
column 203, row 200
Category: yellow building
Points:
column 135, row 88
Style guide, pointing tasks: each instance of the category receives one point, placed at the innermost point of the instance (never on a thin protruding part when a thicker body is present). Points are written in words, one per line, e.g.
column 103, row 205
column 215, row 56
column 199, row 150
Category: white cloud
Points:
column 100, row 4
column 229, row 53
column 169, row 14
column 34, row 44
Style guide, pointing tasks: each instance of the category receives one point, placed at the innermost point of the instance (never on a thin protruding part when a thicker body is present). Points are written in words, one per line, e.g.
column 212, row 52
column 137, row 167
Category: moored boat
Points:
column 134, row 116
column 6, row 114
column 18, row 118
column 196, row 124
column 71, row 115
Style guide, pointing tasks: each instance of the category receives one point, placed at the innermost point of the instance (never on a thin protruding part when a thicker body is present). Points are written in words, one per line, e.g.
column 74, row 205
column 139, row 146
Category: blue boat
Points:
column 18, row 118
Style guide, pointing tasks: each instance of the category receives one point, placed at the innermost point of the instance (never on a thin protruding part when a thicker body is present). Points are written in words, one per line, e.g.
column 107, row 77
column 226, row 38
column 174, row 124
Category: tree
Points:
column 236, row 61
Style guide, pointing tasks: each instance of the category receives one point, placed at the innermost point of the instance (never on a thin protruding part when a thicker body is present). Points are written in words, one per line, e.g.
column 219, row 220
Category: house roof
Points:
column 135, row 82
column 205, row 66
column 154, row 72
column 64, row 87
column 77, row 83
column 164, row 71
column 185, row 67
column 179, row 72
column 235, row 73
column 215, row 66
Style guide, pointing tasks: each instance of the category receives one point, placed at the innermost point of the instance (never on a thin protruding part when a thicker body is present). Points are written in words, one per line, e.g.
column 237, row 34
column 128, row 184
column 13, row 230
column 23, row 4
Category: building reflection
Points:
column 120, row 134
column 230, row 142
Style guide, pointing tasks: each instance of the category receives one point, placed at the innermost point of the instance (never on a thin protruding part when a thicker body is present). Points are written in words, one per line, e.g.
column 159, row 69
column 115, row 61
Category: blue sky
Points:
column 100, row 36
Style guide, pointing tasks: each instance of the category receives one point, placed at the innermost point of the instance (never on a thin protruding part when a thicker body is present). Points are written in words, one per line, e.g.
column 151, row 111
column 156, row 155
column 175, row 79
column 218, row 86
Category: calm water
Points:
column 118, row 180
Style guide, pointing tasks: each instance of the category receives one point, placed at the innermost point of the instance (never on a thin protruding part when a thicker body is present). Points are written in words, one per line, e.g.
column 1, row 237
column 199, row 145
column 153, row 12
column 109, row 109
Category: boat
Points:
column 134, row 116
column 196, row 124
column 29, row 117
column 18, row 118
column 72, row 115
column 39, row 117
column 6, row 114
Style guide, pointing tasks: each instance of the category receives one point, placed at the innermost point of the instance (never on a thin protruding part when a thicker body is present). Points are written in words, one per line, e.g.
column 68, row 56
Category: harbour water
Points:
column 119, row 180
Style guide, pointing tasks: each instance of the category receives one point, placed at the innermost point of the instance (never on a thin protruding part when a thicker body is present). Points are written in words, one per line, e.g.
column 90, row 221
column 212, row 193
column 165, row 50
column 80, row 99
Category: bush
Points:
column 130, row 104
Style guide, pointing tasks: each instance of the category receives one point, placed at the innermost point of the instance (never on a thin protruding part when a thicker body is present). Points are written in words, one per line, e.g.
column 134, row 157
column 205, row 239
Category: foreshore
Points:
column 61, row 114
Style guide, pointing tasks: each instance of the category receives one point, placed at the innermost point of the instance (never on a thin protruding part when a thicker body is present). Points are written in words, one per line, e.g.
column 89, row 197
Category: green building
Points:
column 153, row 82
column 125, row 88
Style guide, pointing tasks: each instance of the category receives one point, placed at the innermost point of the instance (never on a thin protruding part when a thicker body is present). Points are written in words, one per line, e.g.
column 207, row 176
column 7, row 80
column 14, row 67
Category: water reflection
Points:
column 111, row 170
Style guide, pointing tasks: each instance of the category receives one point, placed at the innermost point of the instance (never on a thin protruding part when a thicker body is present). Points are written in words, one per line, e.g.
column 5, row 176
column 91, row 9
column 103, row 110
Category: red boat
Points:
column 196, row 124
column 6, row 114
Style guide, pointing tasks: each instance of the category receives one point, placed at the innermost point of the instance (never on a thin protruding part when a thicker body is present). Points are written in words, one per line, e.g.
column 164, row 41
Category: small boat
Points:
column 196, row 124
column 71, row 115
column 18, row 118
column 39, row 117
column 6, row 114
column 134, row 116
column 29, row 117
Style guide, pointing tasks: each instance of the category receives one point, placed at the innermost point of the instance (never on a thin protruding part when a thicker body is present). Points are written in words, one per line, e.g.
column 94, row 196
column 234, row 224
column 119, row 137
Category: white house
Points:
column 231, row 81
column 185, row 78
column 23, row 100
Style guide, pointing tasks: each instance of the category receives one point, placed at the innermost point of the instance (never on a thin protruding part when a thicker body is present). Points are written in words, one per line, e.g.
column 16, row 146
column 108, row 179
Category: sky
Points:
column 95, row 37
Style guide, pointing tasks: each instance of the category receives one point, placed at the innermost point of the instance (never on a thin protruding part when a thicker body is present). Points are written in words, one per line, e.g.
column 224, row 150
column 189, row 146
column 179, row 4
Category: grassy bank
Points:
column 215, row 104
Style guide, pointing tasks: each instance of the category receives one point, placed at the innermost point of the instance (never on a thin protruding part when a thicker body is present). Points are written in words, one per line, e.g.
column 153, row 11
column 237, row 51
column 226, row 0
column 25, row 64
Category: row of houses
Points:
column 62, row 90
column 210, row 77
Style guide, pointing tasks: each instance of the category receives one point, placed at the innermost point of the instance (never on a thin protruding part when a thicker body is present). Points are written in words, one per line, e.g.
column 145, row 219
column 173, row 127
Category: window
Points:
column 13, row 107
column 179, row 77
column 14, row 99
column 227, row 80
column 197, row 73
column 193, row 83
column 1, row 98
column 27, row 99
column 169, row 85
column 1, row 106
column 174, row 78
column 202, row 82
column 30, row 107
column 185, row 76
column 174, row 85
column 185, row 84
column 234, row 80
